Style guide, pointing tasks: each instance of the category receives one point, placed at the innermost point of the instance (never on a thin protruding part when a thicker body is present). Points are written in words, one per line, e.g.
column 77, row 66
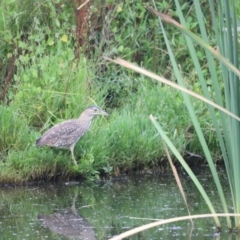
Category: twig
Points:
column 81, row 6
column 193, row 155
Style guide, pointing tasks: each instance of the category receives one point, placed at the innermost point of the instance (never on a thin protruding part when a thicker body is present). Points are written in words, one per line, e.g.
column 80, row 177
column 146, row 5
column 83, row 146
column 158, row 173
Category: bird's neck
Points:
column 85, row 120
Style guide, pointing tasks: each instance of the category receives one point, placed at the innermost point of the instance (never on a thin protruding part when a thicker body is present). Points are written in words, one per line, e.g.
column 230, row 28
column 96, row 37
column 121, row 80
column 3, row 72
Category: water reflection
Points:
column 113, row 207
column 69, row 223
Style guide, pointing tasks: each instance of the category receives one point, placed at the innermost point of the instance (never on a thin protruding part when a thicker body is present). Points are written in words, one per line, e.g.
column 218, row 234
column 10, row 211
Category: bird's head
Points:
column 94, row 111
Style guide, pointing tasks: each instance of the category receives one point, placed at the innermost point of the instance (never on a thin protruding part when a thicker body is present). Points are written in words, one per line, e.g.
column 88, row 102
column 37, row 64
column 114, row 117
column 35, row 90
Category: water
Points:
column 102, row 210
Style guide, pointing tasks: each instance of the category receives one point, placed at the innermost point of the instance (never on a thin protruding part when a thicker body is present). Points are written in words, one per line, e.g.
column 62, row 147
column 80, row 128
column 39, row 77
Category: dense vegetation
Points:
column 43, row 82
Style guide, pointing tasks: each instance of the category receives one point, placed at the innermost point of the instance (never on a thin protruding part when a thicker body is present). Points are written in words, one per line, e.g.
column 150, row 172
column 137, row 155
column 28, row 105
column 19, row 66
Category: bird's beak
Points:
column 104, row 113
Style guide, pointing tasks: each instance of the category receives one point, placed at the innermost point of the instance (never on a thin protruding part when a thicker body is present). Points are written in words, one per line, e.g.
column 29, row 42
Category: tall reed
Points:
column 222, row 66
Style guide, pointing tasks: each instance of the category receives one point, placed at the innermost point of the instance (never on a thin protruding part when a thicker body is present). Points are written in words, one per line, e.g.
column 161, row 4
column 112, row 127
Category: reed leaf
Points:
column 229, row 60
column 175, row 173
column 170, row 220
column 227, row 128
column 198, row 39
column 186, row 167
column 152, row 75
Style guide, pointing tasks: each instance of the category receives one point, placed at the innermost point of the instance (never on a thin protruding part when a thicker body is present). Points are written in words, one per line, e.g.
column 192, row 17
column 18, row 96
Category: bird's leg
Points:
column 72, row 152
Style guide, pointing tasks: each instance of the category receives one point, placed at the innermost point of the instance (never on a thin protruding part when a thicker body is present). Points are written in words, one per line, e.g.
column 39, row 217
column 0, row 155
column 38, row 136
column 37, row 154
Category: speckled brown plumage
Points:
column 67, row 134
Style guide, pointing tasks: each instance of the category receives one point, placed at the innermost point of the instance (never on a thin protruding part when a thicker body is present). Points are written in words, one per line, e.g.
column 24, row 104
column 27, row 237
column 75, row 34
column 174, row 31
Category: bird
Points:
column 68, row 223
column 66, row 134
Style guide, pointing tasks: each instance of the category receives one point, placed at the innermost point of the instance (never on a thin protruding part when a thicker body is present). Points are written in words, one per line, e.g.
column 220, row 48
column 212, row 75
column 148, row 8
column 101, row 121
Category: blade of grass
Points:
column 192, row 114
column 217, row 88
column 177, row 179
column 147, row 73
column 205, row 148
column 196, row 38
column 219, row 39
column 154, row 76
column 170, row 220
column 185, row 166
column 230, row 50
column 228, row 46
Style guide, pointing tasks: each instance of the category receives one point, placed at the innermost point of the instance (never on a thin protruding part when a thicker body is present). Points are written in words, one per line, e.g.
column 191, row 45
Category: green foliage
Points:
column 86, row 167
column 227, row 129
column 13, row 131
column 50, row 85
column 129, row 31
column 24, row 25
column 125, row 140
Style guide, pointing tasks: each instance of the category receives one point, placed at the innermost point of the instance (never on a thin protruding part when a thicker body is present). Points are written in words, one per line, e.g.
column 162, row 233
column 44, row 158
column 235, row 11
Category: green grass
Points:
column 49, row 85
column 45, row 94
column 124, row 141
column 227, row 129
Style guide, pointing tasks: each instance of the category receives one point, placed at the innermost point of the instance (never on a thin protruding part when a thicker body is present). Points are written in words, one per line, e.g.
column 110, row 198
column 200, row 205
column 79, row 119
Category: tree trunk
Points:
column 82, row 16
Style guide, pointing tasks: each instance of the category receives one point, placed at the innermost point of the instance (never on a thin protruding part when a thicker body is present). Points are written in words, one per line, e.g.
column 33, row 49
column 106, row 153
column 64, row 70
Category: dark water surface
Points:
column 102, row 210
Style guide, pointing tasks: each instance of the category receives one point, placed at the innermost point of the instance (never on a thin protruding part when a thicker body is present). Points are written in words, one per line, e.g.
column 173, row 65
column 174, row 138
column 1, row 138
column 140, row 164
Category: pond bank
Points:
column 163, row 169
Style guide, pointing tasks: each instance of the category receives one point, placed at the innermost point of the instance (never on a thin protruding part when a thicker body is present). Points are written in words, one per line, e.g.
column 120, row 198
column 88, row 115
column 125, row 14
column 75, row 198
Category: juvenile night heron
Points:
column 66, row 134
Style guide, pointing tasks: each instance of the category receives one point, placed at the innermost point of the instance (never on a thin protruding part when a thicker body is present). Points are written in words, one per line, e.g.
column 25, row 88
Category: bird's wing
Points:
column 62, row 134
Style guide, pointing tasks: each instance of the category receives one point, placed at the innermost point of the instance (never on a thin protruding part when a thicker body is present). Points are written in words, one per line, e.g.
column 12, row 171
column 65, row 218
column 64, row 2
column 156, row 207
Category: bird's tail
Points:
column 38, row 142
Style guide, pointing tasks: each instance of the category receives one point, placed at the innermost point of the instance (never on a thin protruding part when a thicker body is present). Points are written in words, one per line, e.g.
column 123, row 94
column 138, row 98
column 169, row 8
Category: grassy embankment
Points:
column 49, row 85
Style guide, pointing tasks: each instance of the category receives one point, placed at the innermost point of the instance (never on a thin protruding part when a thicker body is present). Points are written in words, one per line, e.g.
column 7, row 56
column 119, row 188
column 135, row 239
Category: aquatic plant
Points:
column 222, row 87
